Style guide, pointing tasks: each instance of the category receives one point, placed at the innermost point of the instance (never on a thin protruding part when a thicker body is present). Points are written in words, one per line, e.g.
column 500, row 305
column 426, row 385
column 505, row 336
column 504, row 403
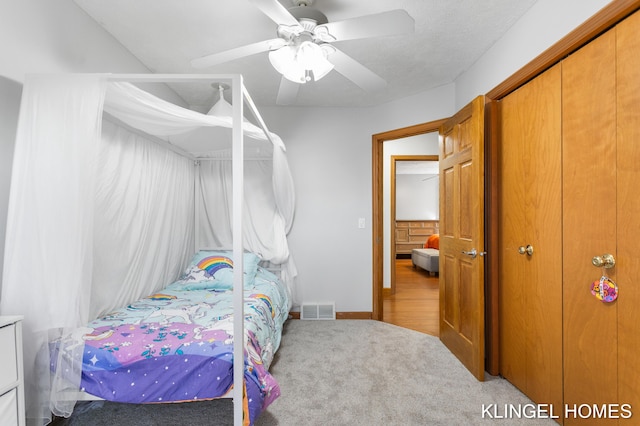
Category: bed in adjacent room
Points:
column 428, row 257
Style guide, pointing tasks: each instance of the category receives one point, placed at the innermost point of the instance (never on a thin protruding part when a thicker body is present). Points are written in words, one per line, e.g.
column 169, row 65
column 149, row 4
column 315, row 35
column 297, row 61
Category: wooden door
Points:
column 462, row 231
column 628, row 206
column 590, row 337
column 530, row 201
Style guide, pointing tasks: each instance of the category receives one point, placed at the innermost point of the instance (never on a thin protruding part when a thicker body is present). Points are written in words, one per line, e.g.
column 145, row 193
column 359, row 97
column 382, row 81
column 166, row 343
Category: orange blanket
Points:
column 433, row 242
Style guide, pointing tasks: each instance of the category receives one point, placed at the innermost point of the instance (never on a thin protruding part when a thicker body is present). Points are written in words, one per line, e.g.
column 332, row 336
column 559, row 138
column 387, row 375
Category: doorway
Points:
column 412, row 203
column 379, row 246
column 410, row 292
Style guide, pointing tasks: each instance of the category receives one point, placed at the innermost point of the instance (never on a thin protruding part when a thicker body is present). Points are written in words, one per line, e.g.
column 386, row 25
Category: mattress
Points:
column 426, row 258
column 177, row 345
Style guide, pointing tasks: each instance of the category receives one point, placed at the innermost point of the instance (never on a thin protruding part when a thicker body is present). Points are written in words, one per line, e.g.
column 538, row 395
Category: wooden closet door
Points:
column 628, row 265
column 589, row 223
column 531, row 215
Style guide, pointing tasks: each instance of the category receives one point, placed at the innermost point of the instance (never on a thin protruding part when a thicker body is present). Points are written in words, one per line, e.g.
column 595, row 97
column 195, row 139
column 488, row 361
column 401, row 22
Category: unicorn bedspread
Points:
column 177, row 345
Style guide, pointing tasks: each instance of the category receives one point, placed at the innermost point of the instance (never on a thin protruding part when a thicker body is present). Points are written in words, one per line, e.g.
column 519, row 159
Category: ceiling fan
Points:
column 303, row 51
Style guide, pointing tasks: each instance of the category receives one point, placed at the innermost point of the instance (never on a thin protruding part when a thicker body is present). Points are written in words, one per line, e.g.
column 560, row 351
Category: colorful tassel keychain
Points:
column 604, row 289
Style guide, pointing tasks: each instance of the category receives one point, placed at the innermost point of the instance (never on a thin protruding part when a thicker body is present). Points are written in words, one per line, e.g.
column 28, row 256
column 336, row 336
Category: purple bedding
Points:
column 177, row 345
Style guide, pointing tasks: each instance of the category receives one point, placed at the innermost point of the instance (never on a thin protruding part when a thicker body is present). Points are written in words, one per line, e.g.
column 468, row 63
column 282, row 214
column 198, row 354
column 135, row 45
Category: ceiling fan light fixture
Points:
column 320, row 63
column 309, row 55
column 297, row 74
column 302, row 62
column 284, row 61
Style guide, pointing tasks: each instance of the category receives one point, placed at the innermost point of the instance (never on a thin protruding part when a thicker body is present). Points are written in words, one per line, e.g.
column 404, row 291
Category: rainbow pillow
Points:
column 210, row 269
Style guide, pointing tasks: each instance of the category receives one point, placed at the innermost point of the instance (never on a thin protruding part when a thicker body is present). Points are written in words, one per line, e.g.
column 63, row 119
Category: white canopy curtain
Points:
column 143, row 221
column 88, row 228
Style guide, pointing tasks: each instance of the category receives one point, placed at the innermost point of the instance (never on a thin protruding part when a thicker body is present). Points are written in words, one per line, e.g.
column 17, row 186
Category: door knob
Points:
column 605, row 261
column 473, row 253
column 528, row 250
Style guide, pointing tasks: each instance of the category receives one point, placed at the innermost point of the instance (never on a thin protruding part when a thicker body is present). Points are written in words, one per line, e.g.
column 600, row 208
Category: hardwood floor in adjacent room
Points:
column 415, row 303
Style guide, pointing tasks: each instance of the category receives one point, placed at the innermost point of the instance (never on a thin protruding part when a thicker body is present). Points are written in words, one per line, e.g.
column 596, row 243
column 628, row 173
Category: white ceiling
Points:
column 449, row 36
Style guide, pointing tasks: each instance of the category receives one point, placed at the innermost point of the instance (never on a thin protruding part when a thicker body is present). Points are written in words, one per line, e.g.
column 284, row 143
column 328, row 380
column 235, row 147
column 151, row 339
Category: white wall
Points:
column 329, row 148
column 57, row 36
column 543, row 25
column 43, row 36
column 417, row 197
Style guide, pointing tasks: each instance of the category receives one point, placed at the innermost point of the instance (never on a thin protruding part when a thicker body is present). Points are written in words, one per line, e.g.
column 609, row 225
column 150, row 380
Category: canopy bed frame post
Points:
column 238, row 276
column 196, row 208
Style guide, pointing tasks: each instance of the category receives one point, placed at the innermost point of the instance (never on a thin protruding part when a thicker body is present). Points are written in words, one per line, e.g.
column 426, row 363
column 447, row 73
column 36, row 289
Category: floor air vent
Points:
column 318, row 311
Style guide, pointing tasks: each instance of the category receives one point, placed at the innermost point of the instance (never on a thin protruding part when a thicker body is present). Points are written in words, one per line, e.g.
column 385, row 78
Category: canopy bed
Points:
column 117, row 193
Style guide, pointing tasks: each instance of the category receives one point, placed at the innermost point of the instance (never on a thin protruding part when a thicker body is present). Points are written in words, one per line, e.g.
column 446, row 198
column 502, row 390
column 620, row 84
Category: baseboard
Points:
column 340, row 315
column 354, row 315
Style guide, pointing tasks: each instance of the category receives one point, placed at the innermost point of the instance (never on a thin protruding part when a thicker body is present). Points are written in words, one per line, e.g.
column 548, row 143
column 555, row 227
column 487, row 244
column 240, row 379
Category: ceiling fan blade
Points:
column 356, row 72
column 277, row 12
column 237, row 53
column 393, row 22
column 288, row 92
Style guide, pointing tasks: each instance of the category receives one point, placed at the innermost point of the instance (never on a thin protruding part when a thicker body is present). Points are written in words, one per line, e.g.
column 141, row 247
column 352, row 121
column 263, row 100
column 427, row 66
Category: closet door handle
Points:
column 605, row 261
column 526, row 250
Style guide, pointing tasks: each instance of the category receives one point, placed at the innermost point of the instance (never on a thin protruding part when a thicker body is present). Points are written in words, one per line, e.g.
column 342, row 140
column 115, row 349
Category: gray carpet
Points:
column 345, row 373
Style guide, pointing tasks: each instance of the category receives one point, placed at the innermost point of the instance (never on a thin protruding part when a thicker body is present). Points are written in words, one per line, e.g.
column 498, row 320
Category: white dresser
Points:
column 12, row 407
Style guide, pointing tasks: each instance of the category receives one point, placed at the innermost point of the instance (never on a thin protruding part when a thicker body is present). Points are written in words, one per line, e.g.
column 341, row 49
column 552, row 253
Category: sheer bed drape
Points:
column 265, row 227
column 99, row 215
column 143, row 221
column 48, row 249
